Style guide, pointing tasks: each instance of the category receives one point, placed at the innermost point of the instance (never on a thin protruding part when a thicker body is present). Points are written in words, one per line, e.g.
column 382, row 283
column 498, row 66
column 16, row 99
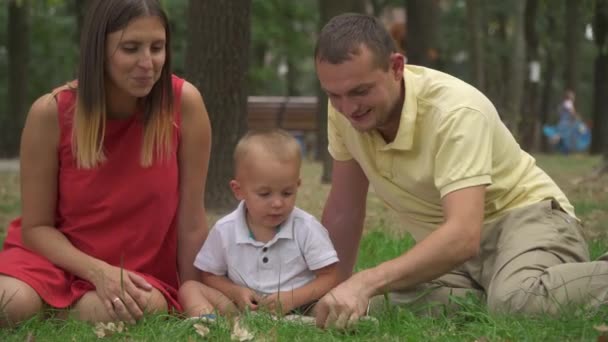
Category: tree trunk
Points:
column 476, row 43
column 574, row 34
column 552, row 45
column 79, row 8
column 530, row 126
column 600, row 90
column 11, row 122
column 517, row 61
column 329, row 9
column 217, row 60
column 422, row 28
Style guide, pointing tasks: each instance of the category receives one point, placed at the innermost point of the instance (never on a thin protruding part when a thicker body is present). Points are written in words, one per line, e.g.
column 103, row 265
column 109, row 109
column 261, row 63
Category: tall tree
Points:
column 79, row 8
column 574, row 34
column 517, row 66
column 18, row 57
column 530, row 122
column 600, row 94
column 422, row 27
column 329, row 9
column 476, row 42
column 217, row 60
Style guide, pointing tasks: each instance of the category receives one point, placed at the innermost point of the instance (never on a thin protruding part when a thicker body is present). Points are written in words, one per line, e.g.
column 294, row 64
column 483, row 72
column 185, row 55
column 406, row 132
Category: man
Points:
column 486, row 219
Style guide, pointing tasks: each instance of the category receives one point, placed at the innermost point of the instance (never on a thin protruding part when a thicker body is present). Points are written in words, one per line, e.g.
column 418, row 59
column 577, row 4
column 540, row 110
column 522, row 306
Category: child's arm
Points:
column 285, row 301
column 243, row 297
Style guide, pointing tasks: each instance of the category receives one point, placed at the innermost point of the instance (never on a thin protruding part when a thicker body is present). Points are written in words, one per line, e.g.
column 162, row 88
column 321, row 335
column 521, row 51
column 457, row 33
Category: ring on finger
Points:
column 115, row 300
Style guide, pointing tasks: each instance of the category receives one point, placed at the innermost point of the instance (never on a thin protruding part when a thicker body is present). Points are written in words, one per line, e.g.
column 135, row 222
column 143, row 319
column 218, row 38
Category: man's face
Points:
column 364, row 93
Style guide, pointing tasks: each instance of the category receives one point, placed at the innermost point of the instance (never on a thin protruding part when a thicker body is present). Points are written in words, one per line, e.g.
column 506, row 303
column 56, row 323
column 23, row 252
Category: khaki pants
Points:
column 532, row 260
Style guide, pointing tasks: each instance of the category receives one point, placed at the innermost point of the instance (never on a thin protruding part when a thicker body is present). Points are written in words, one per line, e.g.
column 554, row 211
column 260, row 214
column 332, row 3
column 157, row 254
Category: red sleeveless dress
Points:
column 119, row 210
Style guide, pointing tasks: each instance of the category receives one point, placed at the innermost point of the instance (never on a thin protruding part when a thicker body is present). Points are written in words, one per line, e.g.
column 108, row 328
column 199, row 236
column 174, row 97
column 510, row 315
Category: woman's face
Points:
column 135, row 57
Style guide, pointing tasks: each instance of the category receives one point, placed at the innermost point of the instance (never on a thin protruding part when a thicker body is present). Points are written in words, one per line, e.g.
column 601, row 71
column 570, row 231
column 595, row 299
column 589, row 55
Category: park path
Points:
column 9, row 165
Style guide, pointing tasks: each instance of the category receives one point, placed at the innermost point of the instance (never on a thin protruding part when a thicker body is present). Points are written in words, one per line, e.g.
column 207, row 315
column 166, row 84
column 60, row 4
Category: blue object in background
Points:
column 569, row 136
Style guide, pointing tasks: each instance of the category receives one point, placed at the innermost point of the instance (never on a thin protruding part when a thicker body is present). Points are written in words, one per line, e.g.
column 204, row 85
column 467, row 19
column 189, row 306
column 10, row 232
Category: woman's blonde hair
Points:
column 103, row 18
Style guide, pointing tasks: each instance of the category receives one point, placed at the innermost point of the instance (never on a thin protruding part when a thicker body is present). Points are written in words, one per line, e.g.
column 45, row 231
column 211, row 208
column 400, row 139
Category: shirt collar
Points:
column 405, row 134
column 243, row 235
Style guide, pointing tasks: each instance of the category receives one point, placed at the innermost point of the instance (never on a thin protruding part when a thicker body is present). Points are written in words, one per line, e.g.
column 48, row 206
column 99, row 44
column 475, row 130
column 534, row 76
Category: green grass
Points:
column 394, row 324
column 383, row 240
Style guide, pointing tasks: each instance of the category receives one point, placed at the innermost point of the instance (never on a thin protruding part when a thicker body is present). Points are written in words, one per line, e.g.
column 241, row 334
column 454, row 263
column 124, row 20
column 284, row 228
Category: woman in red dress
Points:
column 113, row 170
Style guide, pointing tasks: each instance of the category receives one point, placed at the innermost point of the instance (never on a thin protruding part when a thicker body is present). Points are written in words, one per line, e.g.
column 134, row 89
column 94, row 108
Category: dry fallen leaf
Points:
column 102, row 330
column 300, row 319
column 601, row 328
column 239, row 333
column 201, row 329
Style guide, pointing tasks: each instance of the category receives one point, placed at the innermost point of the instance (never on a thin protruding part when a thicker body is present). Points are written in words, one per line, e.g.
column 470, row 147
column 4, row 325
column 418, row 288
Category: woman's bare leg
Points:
column 18, row 301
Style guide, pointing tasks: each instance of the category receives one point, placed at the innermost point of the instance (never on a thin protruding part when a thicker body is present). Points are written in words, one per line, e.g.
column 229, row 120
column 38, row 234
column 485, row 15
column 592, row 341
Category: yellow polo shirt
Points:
column 450, row 137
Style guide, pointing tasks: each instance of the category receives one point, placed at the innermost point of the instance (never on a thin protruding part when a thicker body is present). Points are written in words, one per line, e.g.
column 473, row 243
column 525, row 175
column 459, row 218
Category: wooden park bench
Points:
column 296, row 114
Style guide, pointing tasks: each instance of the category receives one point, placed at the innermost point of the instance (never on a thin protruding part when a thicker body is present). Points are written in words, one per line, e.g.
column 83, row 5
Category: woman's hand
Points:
column 123, row 293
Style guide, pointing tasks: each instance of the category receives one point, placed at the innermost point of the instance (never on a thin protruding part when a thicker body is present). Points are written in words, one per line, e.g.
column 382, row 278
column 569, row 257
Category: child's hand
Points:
column 280, row 302
column 246, row 298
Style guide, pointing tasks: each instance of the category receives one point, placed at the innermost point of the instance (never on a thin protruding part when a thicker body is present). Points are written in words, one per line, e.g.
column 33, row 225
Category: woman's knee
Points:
column 18, row 301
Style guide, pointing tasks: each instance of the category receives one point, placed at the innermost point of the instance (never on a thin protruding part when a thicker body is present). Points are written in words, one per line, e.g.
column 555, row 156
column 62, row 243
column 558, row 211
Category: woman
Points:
column 113, row 169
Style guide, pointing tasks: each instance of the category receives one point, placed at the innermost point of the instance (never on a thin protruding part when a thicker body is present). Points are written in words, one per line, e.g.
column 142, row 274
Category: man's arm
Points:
column 454, row 242
column 344, row 212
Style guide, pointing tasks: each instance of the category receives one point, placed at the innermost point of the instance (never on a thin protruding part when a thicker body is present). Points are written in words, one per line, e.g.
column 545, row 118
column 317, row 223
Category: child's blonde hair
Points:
column 277, row 142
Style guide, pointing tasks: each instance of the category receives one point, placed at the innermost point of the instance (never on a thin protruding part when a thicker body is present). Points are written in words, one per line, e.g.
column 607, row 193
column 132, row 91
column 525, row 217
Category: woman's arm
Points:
column 194, row 151
column 39, row 174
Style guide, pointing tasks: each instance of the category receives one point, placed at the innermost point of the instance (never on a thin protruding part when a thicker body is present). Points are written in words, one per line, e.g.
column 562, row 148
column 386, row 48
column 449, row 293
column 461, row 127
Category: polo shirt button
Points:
column 264, row 249
column 265, row 260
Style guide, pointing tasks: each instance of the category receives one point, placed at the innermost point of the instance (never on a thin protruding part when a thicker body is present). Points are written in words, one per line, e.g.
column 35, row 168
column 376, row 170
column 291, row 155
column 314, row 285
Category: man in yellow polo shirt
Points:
column 486, row 219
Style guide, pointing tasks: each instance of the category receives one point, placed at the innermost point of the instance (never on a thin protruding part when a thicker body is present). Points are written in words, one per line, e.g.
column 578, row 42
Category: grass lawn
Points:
column 383, row 240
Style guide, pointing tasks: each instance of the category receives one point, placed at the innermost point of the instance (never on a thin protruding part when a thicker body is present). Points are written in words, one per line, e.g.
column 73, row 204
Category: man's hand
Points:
column 345, row 304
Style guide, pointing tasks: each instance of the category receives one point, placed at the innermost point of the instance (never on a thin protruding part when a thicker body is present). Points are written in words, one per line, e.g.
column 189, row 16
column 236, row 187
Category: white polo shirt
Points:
column 286, row 262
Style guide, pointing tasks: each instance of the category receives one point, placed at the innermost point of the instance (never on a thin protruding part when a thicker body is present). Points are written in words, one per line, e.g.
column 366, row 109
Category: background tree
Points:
column 530, row 122
column 422, row 27
column 18, row 56
column 600, row 96
column 574, row 34
column 217, row 60
column 476, row 42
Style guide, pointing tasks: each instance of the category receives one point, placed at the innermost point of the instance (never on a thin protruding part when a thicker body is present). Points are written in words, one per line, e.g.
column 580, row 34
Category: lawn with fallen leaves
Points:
column 383, row 240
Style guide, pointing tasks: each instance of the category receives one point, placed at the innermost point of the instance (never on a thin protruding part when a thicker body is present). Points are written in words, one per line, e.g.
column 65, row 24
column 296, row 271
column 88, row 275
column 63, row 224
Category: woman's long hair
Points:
column 105, row 17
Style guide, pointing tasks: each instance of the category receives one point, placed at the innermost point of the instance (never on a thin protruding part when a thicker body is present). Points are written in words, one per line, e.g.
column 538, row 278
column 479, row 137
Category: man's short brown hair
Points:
column 342, row 37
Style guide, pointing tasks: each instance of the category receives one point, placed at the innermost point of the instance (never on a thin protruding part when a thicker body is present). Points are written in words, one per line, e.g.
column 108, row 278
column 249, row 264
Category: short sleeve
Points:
column 316, row 246
column 211, row 258
column 464, row 151
column 336, row 146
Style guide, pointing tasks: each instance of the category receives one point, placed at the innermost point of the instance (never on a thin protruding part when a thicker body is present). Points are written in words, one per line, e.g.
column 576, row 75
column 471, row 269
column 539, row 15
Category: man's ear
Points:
column 299, row 182
column 397, row 63
column 235, row 186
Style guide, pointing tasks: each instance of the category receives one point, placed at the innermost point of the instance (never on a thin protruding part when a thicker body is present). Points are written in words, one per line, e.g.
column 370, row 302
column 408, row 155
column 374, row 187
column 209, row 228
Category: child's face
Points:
column 269, row 187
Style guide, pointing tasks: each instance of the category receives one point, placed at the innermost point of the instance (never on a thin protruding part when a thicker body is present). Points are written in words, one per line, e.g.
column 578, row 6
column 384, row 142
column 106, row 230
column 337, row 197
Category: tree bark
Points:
column 530, row 126
column 476, row 43
column 11, row 121
column 217, row 60
column 422, row 27
column 329, row 9
column 600, row 90
column 517, row 62
column 574, row 34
